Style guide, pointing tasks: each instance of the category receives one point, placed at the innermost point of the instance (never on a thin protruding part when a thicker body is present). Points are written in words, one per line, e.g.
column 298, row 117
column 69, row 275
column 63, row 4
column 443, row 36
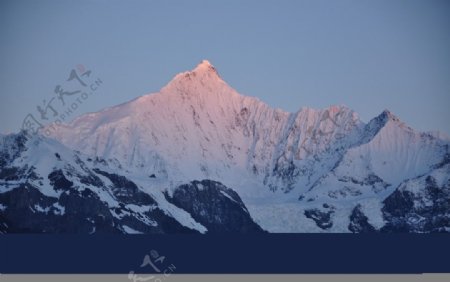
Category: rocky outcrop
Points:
column 215, row 206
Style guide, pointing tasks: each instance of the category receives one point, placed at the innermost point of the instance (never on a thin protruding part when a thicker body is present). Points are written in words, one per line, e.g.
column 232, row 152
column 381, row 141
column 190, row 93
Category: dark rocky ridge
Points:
column 428, row 211
column 218, row 208
column 359, row 223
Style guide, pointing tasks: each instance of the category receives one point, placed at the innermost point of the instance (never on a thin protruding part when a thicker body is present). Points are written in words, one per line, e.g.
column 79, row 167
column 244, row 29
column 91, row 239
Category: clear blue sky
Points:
column 368, row 55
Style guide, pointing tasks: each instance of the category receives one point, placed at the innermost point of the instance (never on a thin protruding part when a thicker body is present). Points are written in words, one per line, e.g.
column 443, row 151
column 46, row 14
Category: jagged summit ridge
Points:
column 198, row 126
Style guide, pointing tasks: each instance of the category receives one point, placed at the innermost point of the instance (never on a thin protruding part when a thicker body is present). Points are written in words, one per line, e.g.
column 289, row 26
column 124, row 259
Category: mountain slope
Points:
column 48, row 188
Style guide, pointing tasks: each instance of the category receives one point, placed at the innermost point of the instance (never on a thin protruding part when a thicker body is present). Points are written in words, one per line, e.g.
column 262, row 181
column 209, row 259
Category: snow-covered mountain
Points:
column 46, row 187
column 309, row 171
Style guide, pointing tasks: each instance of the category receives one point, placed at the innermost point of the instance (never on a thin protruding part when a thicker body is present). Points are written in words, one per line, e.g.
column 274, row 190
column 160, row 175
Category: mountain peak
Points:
column 204, row 67
column 205, row 63
column 204, row 74
column 379, row 122
column 387, row 115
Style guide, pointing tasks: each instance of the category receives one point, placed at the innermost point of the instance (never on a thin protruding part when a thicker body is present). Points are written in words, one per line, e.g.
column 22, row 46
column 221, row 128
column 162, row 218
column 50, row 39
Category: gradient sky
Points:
column 368, row 55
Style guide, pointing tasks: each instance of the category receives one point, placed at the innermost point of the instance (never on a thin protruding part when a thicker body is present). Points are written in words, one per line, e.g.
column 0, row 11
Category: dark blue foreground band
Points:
column 266, row 253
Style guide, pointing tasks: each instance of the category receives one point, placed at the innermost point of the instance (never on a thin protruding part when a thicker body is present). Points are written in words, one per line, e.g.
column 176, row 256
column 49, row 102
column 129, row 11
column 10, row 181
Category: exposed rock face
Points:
column 359, row 222
column 322, row 218
column 425, row 208
column 27, row 210
column 215, row 206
